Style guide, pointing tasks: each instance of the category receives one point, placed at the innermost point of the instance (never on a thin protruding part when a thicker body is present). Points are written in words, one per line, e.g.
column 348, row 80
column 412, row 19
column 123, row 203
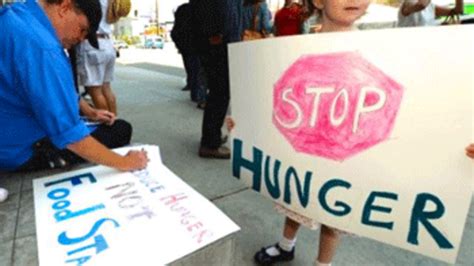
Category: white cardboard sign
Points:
column 99, row 216
column 363, row 131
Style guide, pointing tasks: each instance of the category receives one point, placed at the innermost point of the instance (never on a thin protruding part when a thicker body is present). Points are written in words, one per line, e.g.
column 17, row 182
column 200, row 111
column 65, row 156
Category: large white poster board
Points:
column 363, row 131
column 99, row 216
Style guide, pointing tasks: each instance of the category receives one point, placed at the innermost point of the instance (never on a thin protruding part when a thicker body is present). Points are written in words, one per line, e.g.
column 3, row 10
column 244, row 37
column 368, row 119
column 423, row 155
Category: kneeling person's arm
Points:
column 92, row 150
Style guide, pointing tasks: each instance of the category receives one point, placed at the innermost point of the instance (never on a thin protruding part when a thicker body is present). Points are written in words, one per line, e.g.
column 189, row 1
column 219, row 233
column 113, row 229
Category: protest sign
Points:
column 363, row 131
column 99, row 216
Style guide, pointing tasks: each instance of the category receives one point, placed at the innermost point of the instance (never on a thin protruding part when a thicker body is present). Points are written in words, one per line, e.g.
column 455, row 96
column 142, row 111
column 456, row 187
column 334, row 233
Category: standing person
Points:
column 96, row 66
column 39, row 107
column 182, row 35
column 415, row 13
column 336, row 15
column 289, row 19
column 256, row 11
column 310, row 23
column 216, row 24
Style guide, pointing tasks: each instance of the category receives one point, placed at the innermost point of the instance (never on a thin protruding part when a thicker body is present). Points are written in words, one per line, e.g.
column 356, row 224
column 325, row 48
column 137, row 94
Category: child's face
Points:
column 341, row 13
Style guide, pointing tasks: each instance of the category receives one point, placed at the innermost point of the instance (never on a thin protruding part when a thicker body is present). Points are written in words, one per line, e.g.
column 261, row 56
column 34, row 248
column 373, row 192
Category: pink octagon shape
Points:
column 335, row 105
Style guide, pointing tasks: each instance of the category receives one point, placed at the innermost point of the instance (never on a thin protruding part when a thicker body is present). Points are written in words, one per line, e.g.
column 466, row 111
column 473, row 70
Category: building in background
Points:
column 148, row 14
column 148, row 17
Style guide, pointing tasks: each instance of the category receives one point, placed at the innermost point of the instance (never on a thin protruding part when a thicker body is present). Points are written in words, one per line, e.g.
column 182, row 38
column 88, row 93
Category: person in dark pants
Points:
column 182, row 35
column 216, row 23
column 46, row 155
column 198, row 91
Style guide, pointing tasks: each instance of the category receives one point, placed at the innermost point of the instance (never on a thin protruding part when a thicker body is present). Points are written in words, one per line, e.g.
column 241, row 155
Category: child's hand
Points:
column 230, row 124
column 470, row 151
column 104, row 116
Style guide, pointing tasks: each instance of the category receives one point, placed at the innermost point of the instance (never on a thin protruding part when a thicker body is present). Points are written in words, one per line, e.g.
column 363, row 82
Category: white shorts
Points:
column 95, row 67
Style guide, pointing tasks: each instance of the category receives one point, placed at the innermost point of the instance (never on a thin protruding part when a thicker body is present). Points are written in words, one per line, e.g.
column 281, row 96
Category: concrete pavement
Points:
column 149, row 96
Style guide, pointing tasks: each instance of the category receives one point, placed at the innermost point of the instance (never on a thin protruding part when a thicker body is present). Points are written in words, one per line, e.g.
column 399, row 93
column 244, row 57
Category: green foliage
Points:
column 468, row 9
column 130, row 40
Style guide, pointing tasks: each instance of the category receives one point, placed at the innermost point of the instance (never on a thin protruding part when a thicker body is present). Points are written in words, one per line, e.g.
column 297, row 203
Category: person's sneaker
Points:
column 185, row 88
column 3, row 194
column 265, row 259
column 219, row 153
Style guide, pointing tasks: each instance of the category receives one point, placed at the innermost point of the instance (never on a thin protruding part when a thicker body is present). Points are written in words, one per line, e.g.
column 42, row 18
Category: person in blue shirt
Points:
column 39, row 107
column 256, row 10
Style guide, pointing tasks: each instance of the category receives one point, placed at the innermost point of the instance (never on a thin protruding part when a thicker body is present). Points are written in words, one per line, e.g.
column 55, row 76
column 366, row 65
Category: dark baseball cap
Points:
column 93, row 11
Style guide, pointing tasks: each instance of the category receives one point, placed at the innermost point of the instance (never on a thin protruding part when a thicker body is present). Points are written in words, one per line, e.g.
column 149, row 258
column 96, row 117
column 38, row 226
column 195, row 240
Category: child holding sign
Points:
column 335, row 15
column 470, row 151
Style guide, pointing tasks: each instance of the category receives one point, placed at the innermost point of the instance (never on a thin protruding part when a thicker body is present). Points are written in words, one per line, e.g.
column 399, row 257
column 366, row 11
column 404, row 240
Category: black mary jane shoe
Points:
column 264, row 259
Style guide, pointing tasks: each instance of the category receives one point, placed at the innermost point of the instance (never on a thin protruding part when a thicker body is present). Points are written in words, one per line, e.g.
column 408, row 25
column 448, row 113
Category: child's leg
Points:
column 287, row 243
column 283, row 250
column 290, row 228
column 328, row 241
column 110, row 97
column 98, row 98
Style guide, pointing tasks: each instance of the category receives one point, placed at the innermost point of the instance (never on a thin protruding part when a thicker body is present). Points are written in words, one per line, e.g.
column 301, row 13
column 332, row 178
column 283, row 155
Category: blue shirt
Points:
column 263, row 18
column 37, row 95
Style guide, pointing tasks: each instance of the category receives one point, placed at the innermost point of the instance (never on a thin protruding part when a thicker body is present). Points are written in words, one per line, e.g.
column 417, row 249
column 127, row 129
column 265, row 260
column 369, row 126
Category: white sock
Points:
column 317, row 263
column 3, row 194
column 272, row 251
column 287, row 244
